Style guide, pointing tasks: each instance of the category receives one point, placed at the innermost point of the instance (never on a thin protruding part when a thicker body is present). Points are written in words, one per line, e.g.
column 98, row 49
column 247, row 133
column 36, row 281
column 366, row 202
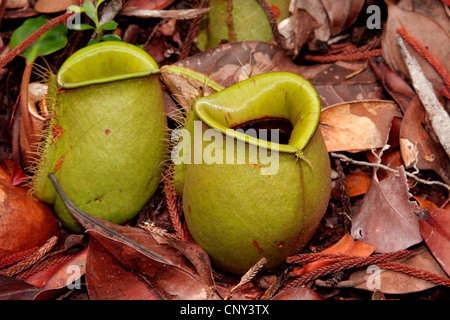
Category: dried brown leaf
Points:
column 25, row 223
column 435, row 229
column 342, row 13
column 430, row 33
column 358, row 126
column 386, row 217
column 417, row 146
column 393, row 282
column 397, row 87
column 52, row 6
column 14, row 289
column 61, row 274
column 158, row 270
column 228, row 64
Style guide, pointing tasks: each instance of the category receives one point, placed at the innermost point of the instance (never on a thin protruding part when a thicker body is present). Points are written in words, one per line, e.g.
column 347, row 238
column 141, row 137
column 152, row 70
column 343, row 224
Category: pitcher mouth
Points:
column 263, row 129
column 281, row 95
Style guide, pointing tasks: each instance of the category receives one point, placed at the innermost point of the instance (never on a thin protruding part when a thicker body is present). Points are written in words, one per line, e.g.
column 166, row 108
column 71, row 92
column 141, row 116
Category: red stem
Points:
column 33, row 37
column 24, row 117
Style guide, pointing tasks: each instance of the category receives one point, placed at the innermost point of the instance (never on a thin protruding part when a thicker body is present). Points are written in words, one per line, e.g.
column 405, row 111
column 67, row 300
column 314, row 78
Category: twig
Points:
column 439, row 118
column 382, row 166
column 427, row 55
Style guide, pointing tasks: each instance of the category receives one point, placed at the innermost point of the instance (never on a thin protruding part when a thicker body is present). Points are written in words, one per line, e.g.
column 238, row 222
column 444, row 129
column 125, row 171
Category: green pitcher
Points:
column 245, row 194
column 106, row 138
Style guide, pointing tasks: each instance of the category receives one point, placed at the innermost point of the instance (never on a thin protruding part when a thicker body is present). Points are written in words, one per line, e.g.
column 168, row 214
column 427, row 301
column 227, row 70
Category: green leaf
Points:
column 88, row 4
column 93, row 41
column 77, row 9
column 83, row 26
column 51, row 41
column 91, row 14
column 110, row 25
column 110, row 37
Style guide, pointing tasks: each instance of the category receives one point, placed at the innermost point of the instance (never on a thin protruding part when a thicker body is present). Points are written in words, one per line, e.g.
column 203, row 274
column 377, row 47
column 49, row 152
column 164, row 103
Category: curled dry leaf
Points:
column 332, row 16
column 297, row 30
column 318, row 13
column 32, row 124
column 25, row 223
column 342, row 13
column 435, row 229
column 393, row 282
column 386, row 217
column 358, row 126
column 395, row 85
column 185, row 90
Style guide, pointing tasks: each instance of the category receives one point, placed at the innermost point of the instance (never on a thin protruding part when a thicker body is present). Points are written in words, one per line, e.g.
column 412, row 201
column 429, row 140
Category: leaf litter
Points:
column 395, row 171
